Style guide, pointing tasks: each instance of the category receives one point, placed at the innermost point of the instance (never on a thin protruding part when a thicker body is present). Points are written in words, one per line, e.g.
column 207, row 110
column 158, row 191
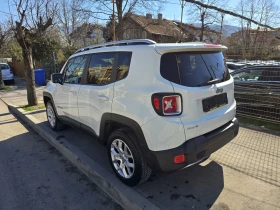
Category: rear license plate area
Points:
column 214, row 102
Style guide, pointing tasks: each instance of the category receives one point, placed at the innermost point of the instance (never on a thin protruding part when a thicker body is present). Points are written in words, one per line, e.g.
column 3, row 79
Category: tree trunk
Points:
column 2, row 85
column 202, row 27
column 120, row 29
column 29, row 76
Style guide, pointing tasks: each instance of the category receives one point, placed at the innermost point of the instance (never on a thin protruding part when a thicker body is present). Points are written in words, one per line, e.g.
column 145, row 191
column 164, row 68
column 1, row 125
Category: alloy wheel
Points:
column 122, row 159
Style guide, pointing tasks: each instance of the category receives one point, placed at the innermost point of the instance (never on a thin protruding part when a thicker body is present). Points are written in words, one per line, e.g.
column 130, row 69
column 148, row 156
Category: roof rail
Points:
column 118, row 43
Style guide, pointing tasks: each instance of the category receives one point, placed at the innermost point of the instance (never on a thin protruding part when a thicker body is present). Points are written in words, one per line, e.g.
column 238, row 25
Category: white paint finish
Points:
column 133, row 95
column 93, row 102
column 164, row 133
column 66, row 100
column 195, row 120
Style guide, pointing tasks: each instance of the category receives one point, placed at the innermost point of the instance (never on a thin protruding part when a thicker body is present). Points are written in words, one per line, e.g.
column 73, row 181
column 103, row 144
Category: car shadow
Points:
column 196, row 187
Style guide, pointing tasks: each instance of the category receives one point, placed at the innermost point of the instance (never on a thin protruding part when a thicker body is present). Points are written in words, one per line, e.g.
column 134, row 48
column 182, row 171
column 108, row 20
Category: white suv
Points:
column 159, row 107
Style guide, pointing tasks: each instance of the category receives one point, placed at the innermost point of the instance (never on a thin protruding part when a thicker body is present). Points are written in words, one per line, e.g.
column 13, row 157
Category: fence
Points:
column 257, row 92
column 18, row 67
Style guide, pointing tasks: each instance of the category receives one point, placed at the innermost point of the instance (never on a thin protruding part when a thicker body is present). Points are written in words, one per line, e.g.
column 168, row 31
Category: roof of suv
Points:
column 159, row 47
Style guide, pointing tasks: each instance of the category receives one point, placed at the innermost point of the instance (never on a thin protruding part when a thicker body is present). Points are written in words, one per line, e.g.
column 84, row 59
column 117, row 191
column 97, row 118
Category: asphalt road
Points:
column 33, row 175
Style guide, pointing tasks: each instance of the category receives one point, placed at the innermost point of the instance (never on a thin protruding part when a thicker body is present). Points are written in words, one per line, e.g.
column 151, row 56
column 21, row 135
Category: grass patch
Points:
column 260, row 123
column 32, row 108
column 6, row 88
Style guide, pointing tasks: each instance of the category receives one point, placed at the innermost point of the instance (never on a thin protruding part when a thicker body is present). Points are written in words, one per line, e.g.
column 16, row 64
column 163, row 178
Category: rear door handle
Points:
column 103, row 98
column 73, row 92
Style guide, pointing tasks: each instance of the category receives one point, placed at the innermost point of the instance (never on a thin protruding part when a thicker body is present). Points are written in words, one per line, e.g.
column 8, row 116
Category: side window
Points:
column 249, row 75
column 74, row 69
column 123, row 64
column 100, row 68
column 169, row 68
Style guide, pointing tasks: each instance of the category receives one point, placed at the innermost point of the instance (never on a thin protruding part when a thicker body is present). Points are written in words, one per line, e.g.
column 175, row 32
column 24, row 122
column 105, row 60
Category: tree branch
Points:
column 229, row 13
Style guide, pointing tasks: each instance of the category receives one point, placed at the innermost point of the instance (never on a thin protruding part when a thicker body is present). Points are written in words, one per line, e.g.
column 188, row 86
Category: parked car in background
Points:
column 257, row 92
column 7, row 74
column 235, row 66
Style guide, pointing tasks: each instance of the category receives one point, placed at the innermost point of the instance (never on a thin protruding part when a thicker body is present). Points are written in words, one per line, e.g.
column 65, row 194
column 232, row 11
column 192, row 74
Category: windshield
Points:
column 195, row 69
column 4, row 66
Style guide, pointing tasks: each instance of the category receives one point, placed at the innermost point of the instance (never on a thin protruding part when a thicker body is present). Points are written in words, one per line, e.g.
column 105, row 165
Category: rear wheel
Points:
column 126, row 158
column 54, row 122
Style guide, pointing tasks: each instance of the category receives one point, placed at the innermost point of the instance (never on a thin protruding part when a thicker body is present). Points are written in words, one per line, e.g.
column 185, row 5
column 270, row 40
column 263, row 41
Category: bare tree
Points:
column 123, row 9
column 71, row 15
column 204, row 15
column 254, row 39
column 33, row 18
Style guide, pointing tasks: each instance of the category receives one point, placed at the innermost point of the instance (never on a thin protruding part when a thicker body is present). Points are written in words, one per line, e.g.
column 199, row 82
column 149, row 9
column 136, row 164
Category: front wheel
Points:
column 126, row 158
column 54, row 122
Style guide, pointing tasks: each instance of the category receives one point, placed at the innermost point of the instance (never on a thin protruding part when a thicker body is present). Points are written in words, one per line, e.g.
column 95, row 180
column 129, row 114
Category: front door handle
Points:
column 103, row 98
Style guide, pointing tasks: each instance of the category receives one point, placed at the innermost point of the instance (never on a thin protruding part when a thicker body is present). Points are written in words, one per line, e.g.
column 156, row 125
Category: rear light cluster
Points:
column 179, row 159
column 166, row 104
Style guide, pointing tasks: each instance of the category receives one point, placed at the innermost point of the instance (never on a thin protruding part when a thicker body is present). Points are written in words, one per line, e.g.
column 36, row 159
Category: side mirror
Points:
column 57, row 78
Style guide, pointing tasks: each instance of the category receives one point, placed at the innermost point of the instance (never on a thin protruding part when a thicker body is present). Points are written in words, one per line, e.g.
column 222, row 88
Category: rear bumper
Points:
column 8, row 77
column 195, row 150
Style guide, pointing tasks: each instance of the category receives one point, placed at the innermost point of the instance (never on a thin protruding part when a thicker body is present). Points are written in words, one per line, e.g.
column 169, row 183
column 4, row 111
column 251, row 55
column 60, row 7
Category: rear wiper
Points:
column 211, row 82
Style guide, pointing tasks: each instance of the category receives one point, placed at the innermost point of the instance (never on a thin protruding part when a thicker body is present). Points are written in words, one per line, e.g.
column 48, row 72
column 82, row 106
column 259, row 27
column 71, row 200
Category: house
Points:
column 145, row 27
column 194, row 33
column 260, row 43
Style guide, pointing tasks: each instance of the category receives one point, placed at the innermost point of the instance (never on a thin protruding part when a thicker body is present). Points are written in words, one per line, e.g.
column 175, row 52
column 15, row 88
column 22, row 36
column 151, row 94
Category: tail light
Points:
column 11, row 72
column 166, row 104
column 179, row 159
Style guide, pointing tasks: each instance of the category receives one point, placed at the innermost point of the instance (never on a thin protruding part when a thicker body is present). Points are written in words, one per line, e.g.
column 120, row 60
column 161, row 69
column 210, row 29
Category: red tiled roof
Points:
column 166, row 27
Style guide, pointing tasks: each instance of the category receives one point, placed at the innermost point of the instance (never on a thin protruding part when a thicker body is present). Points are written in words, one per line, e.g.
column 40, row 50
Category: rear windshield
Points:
column 194, row 69
column 4, row 66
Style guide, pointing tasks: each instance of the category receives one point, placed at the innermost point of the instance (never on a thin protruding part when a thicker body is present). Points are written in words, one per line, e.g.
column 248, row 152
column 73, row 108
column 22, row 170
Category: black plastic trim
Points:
column 198, row 148
column 134, row 126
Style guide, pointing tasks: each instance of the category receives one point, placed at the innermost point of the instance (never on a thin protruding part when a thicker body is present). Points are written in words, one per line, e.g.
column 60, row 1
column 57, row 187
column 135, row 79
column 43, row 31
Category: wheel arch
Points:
column 48, row 97
column 109, row 120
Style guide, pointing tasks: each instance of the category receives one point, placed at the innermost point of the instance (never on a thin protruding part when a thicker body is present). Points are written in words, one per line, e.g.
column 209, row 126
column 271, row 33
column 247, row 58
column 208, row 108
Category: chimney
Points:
column 159, row 18
column 149, row 16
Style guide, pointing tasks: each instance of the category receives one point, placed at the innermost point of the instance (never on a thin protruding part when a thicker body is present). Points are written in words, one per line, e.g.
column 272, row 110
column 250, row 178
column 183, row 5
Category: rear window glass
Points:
column 194, row 69
column 4, row 66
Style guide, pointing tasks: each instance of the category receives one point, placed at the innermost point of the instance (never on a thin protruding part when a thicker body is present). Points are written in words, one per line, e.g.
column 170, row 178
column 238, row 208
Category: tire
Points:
column 141, row 171
column 13, row 81
column 53, row 120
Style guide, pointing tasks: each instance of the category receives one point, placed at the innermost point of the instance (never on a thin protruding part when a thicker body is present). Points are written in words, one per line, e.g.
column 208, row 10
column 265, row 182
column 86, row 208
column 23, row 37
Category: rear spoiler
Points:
column 188, row 47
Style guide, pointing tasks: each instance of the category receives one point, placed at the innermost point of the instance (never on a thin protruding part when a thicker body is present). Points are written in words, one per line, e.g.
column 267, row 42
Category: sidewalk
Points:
column 245, row 174
column 35, row 176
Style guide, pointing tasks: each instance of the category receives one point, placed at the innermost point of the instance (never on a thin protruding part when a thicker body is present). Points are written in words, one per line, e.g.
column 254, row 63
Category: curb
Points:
column 125, row 196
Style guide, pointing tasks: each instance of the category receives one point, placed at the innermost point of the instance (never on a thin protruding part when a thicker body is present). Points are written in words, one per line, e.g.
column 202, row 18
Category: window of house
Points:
column 74, row 69
column 123, row 64
column 100, row 68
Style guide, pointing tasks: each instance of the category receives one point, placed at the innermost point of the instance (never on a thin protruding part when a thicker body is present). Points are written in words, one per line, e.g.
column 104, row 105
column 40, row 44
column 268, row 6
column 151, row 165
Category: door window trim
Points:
column 85, row 67
column 113, row 77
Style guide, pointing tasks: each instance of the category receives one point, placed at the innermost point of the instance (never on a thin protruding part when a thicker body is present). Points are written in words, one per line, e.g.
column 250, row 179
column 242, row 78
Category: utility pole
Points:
column 114, row 31
column 182, row 2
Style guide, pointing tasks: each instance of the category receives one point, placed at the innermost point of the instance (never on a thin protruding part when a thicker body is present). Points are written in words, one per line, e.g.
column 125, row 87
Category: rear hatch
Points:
column 202, row 78
column 5, row 69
